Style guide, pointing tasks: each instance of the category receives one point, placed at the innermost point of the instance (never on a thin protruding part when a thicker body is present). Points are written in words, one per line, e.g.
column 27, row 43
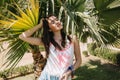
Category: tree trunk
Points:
column 39, row 63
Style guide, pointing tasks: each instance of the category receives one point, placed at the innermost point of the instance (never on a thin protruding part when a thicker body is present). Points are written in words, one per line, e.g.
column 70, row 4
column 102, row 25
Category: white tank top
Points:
column 58, row 61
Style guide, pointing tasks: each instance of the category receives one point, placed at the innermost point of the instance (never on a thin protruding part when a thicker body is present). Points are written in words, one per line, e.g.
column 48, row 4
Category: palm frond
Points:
column 75, row 5
column 15, row 52
column 91, row 25
column 114, row 4
column 108, row 19
column 116, row 26
column 12, row 27
column 26, row 19
column 116, row 43
column 101, row 5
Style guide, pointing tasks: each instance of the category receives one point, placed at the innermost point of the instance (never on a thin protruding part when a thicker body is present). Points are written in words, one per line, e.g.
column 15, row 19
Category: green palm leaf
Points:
column 108, row 19
column 101, row 4
column 11, row 28
column 25, row 20
column 15, row 52
column 86, row 19
column 114, row 4
column 91, row 26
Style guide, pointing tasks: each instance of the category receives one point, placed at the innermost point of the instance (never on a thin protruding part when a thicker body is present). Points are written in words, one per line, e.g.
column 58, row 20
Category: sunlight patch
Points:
column 92, row 67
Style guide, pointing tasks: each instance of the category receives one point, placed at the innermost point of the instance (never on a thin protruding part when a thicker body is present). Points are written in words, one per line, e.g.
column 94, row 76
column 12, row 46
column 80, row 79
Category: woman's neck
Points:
column 57, row 35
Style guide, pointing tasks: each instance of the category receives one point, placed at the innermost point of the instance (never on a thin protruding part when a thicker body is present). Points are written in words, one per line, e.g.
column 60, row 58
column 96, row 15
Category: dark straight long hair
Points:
column 47, row 37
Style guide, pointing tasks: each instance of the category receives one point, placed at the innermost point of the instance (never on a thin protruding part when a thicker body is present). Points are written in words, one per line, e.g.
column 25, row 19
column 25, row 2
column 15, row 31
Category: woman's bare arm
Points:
column 78, row 59
column 26, row 36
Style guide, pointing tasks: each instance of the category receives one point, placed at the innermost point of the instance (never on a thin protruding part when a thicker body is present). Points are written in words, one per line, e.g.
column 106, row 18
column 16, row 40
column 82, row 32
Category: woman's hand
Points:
column 66, row 75
column 41, row 23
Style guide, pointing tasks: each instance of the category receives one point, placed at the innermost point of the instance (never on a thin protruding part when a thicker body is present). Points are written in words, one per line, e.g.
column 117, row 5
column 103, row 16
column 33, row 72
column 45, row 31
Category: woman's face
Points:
column 54, row 24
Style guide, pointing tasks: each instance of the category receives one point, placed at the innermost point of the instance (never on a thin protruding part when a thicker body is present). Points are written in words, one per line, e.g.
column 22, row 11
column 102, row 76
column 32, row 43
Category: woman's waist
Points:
column 54, row 71
column 57, row 66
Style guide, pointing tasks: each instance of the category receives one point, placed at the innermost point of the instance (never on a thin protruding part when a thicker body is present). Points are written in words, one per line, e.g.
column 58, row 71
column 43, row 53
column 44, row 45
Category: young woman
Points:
column 60, row 48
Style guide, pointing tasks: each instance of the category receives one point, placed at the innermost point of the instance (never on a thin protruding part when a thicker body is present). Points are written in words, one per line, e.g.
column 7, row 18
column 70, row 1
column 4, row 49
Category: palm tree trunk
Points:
column 39, row 63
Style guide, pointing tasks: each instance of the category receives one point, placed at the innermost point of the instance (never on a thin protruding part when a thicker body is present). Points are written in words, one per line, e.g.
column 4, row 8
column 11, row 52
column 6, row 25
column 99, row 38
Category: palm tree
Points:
column 71, row 12
column 12, row 27
column 108, row 20
column 104, row 14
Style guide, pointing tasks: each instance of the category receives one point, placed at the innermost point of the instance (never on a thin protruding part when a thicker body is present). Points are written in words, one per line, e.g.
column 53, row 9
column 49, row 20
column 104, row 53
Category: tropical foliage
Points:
column 109, row 20
column 12, row 27
column 95, row 22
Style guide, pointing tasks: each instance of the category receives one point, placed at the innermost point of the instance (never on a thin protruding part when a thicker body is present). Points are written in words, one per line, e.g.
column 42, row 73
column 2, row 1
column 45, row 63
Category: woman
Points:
column 60, row 49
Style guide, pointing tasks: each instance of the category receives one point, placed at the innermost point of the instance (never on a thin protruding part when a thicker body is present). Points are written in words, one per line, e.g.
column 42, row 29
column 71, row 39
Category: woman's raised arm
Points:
column 26, row 36
column 77, row 53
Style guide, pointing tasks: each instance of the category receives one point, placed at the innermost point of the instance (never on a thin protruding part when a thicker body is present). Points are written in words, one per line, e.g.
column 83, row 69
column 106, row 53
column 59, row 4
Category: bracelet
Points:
column 23, row 34
column 71, row 68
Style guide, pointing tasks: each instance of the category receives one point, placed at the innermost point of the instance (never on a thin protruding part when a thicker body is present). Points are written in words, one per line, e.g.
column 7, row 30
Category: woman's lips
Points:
column 58, row 25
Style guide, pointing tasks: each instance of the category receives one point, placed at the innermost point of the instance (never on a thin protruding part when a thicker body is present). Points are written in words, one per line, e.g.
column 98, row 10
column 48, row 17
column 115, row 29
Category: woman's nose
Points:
column 58, row 22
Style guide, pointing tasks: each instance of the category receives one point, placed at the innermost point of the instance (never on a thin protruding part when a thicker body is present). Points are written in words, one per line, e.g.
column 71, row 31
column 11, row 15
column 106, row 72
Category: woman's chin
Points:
column 60, row 27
